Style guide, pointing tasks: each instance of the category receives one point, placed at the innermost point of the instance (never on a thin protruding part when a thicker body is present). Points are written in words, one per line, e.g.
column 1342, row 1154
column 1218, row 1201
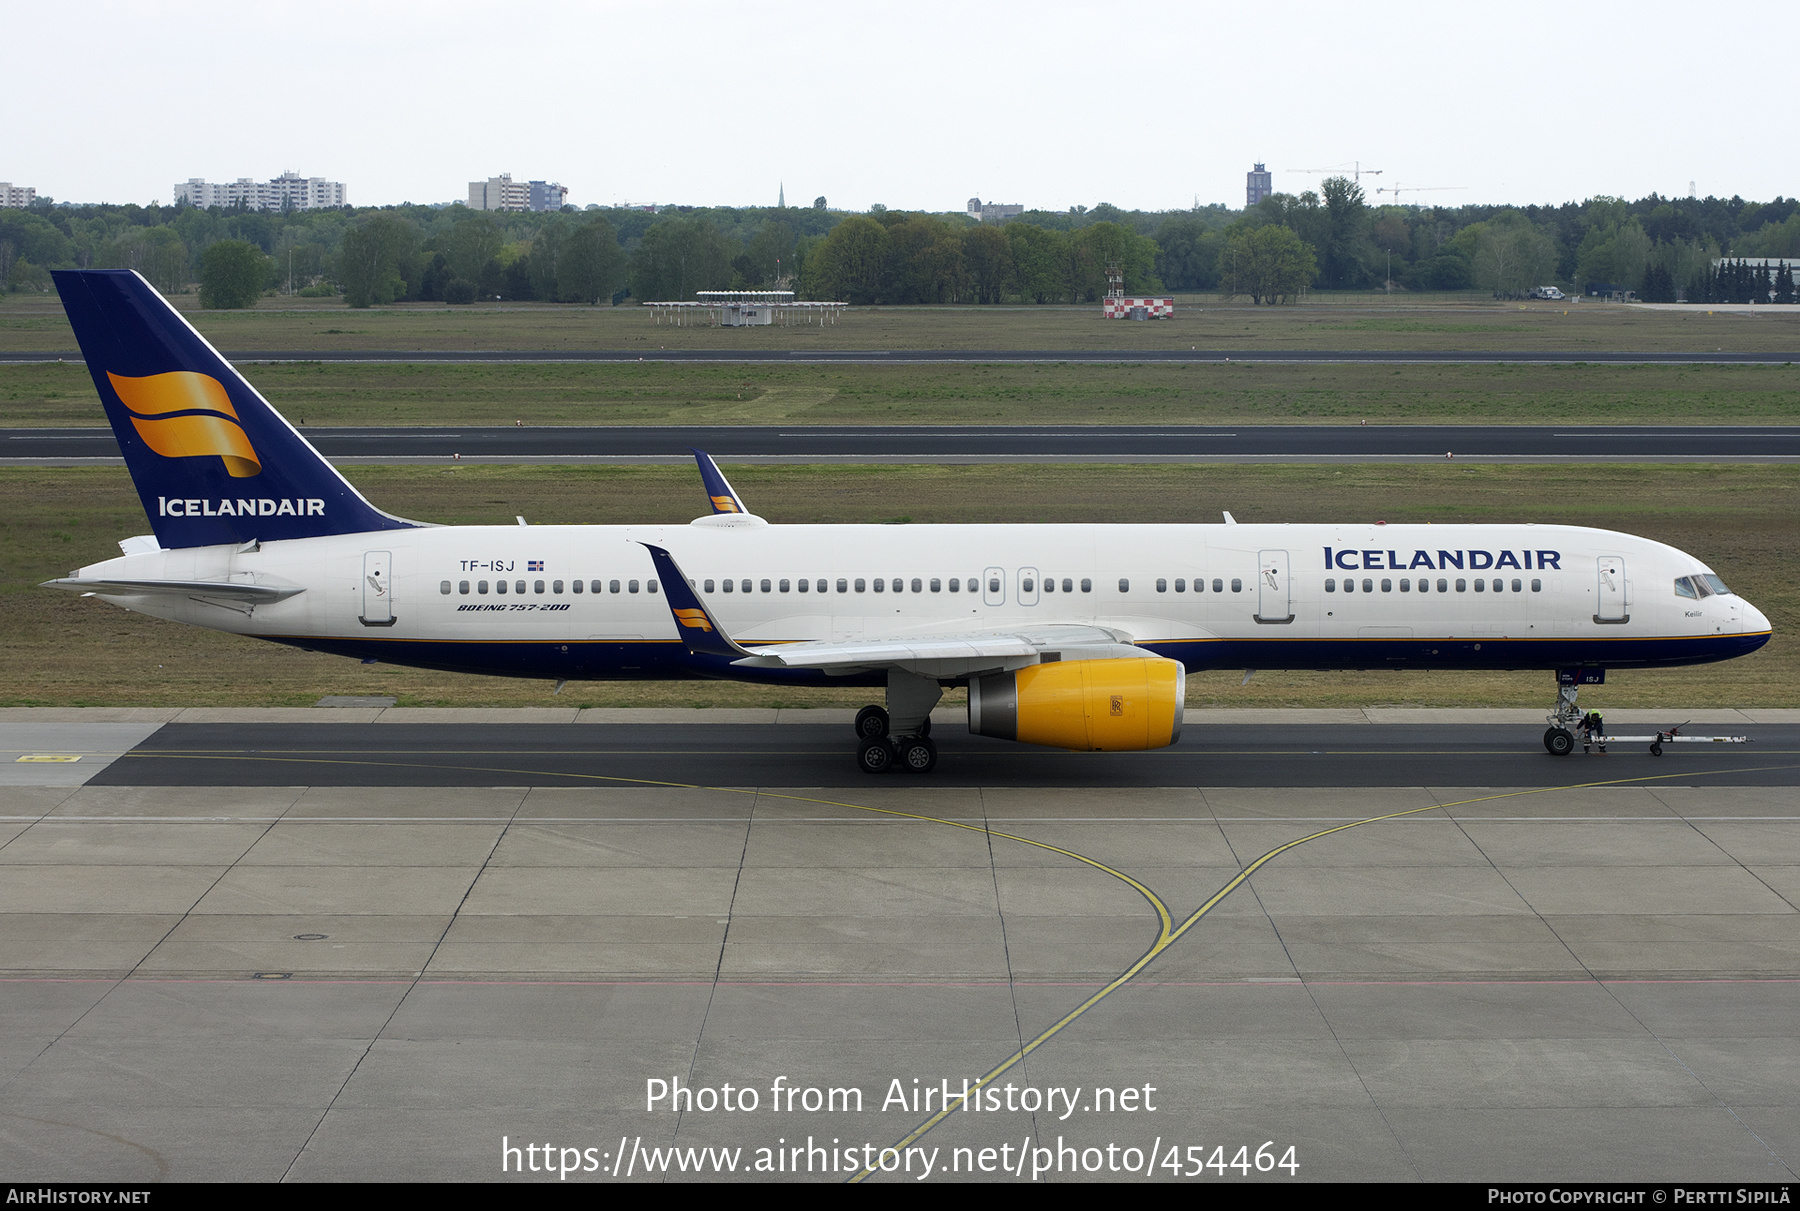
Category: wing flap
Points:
column 965, row 648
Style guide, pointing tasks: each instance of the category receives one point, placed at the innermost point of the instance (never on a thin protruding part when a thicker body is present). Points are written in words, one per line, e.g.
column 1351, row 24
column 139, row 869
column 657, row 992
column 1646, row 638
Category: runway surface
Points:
column 988, row 356
column 399, row 754
column 929, row 444
column 1586, row 971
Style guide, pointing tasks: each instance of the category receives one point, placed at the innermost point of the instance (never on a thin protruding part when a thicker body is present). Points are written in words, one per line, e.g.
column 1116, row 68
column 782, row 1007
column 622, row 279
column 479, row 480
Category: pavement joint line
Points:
column 1170, row 937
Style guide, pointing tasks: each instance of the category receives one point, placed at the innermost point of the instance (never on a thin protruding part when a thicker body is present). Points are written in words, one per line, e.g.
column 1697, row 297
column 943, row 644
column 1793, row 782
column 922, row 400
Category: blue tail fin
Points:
column 212, row 461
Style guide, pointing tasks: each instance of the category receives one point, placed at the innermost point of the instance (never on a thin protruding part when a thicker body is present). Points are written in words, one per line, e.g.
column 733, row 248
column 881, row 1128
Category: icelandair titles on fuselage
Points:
column 260, row 507
column 1393, row 561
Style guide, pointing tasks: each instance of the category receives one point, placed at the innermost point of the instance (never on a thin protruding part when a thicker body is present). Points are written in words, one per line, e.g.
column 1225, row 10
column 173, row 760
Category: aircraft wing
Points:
column 953, row 655
column 227, row 590
column 946, row 654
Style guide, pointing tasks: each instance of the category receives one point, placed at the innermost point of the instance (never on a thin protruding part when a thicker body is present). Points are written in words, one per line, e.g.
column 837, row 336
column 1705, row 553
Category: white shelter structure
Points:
column 744, row 309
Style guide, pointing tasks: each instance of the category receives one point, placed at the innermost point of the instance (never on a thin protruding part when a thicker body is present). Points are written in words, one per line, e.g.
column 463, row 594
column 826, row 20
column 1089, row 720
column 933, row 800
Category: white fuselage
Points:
column 1268, row 596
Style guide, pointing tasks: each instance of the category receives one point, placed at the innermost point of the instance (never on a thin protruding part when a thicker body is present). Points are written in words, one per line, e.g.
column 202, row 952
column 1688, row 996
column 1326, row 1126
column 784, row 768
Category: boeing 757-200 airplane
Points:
column 1074, row 636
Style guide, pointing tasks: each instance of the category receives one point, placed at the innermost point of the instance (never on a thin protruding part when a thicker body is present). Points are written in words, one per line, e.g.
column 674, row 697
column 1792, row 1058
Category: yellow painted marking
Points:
column 62, row 757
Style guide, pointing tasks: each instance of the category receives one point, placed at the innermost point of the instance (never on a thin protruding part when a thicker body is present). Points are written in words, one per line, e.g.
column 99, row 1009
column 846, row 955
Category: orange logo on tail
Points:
column 724, row 504
column 208, row 424
column 694, row 618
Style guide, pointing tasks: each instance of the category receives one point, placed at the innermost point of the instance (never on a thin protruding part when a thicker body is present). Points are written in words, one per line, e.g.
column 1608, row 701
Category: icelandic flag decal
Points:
column 535, row 565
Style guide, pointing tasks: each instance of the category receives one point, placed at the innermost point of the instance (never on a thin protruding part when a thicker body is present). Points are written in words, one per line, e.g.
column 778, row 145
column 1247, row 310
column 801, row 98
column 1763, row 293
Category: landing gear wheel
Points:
column 871, row 721
column 1560, row 741
column 876, row 755
column 1656, row 750
column 918, row 755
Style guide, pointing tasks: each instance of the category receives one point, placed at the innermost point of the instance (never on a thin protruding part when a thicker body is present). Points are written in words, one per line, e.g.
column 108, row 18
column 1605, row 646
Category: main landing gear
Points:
column 909, row 747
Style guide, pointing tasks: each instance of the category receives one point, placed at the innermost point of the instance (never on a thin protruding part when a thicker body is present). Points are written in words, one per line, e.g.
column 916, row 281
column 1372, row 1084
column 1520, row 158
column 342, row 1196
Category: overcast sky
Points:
column 917, row 105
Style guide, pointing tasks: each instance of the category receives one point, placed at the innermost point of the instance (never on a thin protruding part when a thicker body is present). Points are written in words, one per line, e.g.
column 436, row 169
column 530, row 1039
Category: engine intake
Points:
column 1091, row 705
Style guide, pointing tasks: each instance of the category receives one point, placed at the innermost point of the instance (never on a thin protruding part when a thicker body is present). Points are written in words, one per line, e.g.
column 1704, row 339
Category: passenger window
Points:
column 820, row 586
column 1424, row 585
column 1237, row 586
column 993, row 584
column 1368, row 585
column 556, row 586
column 612, row 587
column 744, row 585
column 1518, row 586
column 1349, row 585
column 519, row 586
column 937, row 586
column 1027, row 585
column 918, row 585
column 879, row 583
column 1387, row 586
column 481, row 587
column 953, row 583
column 1405, row 584
column 859, row 584
column 843, row 585
column 1480, row 584
column 631, row 586
column 1087, row 586
column 806, row 585
column 729, row 587
column 1180, row 584
column 1162, row 586
column 765, row 586
column 1537, row 586
column 537, row 586
column 1068, row 585
column 1331, row 584
column 499, row 586
column 1218, row 585
column 1685, row 588
column 1462, row 586
column 784, row 585
column 650, row 585
column 1124, row 585
column 1444, row 586
column 1049, row 584
column 576, row 586
column 444, row 587
column 462, row 586
column 708, row 587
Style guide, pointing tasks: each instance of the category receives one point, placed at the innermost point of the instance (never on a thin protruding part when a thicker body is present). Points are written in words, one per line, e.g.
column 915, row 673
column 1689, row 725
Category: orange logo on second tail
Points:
column 182, row 414
column 694, row 618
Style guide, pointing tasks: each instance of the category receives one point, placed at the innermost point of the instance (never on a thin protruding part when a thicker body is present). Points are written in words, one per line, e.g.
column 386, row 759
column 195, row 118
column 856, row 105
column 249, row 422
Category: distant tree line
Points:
column 1333, row 239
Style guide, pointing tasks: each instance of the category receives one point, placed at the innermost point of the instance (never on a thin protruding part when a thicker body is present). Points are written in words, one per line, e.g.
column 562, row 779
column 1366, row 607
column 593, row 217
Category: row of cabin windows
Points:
column 898, row 584
column 1181, row 585
column 556, row 586
column 1443, row 586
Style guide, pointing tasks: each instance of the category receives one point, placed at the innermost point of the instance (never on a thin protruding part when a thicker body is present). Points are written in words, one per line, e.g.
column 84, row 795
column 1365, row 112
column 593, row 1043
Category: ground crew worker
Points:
column 1593, row 731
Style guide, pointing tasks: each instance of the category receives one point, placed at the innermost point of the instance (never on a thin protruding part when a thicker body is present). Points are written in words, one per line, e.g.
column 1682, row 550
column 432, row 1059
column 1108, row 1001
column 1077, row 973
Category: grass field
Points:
column 317, row 393
column 36, row 322
column 58, row 649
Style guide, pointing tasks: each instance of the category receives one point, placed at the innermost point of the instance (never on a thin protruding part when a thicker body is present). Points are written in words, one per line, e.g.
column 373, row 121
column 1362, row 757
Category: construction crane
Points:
column 1397, row 190
column 1357, row 171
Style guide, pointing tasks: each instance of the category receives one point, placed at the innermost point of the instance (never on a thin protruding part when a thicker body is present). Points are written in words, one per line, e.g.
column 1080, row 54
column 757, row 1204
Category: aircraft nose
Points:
column 1755, row 619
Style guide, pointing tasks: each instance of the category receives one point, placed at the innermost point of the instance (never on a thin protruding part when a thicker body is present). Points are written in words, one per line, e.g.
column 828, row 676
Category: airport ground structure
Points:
column 250, row 946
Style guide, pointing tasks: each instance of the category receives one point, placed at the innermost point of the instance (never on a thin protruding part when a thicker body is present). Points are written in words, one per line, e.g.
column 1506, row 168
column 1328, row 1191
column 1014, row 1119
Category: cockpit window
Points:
column 1684, row 587
column 1713, row 582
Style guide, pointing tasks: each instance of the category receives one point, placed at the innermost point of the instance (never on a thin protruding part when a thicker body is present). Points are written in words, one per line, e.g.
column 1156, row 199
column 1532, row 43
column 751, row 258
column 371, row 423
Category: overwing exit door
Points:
column 1274, row 600
column 377, row 589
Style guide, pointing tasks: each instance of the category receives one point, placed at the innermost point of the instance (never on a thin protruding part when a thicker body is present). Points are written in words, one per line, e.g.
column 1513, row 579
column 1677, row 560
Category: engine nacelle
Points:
column 1092, row 705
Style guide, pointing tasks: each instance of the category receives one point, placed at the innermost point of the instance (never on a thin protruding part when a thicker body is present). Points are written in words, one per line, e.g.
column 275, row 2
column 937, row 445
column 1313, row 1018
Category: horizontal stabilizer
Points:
column 226, row 590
